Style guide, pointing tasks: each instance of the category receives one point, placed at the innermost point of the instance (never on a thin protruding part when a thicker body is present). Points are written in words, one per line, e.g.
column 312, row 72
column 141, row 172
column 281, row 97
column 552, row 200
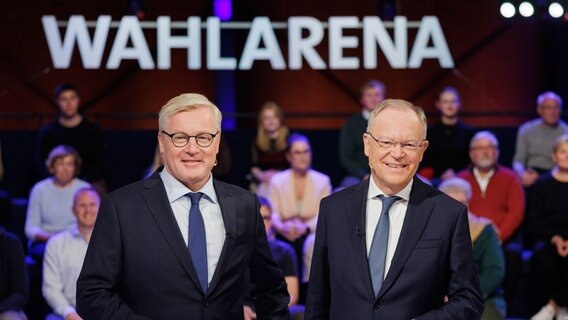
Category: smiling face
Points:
column 86, row 208
column 192, row 164
column 393, row 168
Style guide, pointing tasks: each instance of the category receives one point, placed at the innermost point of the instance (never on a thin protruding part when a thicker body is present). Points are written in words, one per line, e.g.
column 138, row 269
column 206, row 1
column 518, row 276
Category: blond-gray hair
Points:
column 456, row 185
column 401, row 104
column 563, row 139
column 548, row 95
column 187, row 102
column 484, row 135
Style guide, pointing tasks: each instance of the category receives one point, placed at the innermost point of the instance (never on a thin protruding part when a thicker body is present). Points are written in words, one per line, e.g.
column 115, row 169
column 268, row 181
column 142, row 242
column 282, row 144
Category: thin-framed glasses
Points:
column 180, row 139
column 406, row 145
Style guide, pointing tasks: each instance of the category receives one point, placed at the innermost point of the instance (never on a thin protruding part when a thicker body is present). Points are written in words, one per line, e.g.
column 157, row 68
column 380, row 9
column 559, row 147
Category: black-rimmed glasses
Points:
column 180, row 139
column 407, row 145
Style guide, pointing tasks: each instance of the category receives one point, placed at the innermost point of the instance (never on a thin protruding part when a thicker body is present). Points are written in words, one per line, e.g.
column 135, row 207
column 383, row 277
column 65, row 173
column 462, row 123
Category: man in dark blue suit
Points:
column 393, row 247
column 177, row 245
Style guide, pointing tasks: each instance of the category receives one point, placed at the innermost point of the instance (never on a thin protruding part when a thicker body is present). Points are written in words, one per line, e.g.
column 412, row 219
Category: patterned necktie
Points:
column 378, row 253
column 197, row 242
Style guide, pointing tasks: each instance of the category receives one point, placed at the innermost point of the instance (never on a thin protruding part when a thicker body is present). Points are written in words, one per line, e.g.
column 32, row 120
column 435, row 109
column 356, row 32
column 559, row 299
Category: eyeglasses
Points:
column 180, row 139
column 300, row 152
column 406, row 146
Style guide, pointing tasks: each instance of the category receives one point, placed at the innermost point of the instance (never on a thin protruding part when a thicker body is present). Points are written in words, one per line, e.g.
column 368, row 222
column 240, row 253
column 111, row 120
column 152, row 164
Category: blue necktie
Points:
column 197, row 242
column 378, row 253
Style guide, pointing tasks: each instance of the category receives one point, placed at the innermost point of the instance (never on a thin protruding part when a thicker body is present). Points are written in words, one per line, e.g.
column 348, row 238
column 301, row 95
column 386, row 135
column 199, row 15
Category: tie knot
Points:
column 195, row 197
column 388, row 201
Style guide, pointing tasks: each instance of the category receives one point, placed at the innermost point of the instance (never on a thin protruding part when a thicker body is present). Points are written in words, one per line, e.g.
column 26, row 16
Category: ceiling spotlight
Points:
column 555, row 10
column 526, row 9
column 507, row 10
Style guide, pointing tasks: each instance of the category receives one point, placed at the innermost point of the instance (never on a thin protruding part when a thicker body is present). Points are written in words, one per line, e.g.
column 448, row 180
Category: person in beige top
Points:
column 295, row 194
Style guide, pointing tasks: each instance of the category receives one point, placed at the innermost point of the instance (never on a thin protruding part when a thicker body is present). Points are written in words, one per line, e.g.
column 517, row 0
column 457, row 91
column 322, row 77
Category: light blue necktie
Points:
column 378, row 253
column 197, row 242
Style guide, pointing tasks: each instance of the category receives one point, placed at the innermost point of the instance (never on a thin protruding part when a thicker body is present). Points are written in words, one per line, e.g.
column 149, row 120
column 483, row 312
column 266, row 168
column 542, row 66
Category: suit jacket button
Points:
column 205, row 303
column 377, row 305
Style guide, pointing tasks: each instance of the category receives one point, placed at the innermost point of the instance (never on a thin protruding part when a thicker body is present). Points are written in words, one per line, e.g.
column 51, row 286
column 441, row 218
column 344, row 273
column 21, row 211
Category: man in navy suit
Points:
column 177, row 245
column 393, row 247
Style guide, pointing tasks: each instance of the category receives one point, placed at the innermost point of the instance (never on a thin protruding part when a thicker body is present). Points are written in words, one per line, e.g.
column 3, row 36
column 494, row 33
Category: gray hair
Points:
column 484, row 135
column 456, row 185
column 187, row 102
column 401, row 104
column 548, row 95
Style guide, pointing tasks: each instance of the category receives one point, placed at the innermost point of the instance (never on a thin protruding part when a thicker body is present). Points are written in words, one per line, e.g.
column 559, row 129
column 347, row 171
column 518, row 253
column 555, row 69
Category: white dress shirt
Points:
column 483, row 181
column 210, row 210
column 62, row 262
column 396, row 215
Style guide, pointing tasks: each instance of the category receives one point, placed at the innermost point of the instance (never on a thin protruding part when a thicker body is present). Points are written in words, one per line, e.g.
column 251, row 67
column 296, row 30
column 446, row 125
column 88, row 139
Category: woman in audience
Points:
column 268, row 149
column 487, row 252
column 295, row 194
column 548, row 214
column 51, row 199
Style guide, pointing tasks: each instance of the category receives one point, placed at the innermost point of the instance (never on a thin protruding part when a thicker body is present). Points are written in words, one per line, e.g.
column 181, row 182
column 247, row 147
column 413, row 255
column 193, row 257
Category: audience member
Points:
column 449, row 140
column 295, row 194
column 548, row 214
column 13, row 277
column 221, row 170
column 535, row 139
column 285, row 258
column 64, row 255
column 351, row 154
column 51, row 199
column 487, row 251
column 73, row 129
column 497, row 193
column 269, row 148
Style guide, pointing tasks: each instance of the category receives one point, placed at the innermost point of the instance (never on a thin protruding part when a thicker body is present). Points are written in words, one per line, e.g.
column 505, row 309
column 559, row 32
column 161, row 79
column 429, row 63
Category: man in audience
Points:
column 13, row 277
column 449, row 140
column 535, row 139
column 64, row 255
column 351, row 154
column 71, row 128
column 392, row 247
column 497, row 194
column 285, row 258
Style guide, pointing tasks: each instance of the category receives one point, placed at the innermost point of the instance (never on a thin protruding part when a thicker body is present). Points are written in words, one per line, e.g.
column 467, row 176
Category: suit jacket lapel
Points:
column 157, row 201
column 417, row 215
column 355, row 219
column 228, row 205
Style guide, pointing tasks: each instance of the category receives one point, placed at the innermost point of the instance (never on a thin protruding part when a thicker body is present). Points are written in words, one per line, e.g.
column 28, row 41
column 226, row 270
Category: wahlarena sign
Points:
column 304, row 35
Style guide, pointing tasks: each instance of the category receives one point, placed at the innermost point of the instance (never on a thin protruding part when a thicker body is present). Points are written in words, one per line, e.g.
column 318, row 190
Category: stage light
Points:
column 526, row 9
column 507, row 10
column 555, row 10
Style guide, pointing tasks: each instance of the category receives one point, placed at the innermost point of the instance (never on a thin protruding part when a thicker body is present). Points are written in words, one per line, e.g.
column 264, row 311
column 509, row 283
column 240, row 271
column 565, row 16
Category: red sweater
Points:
column 503, row 201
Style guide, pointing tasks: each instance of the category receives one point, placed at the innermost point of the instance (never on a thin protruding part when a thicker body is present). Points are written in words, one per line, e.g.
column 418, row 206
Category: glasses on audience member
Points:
column 388, row 145
column 180, row 139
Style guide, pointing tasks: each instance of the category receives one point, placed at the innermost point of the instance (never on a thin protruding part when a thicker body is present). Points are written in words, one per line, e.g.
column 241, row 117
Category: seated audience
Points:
column 269, row 148
column 73, row 129
column 285, row 257
column 13, row 277
column 51, row 199
column 295, row 194
column 487, row 252
column 535, row 139
column 548, row 214
column 351, row 154
column 64, row 255
column 449, row 140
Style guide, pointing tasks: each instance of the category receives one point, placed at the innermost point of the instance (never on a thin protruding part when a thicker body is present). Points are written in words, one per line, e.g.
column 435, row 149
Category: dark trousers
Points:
column 549, row 274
